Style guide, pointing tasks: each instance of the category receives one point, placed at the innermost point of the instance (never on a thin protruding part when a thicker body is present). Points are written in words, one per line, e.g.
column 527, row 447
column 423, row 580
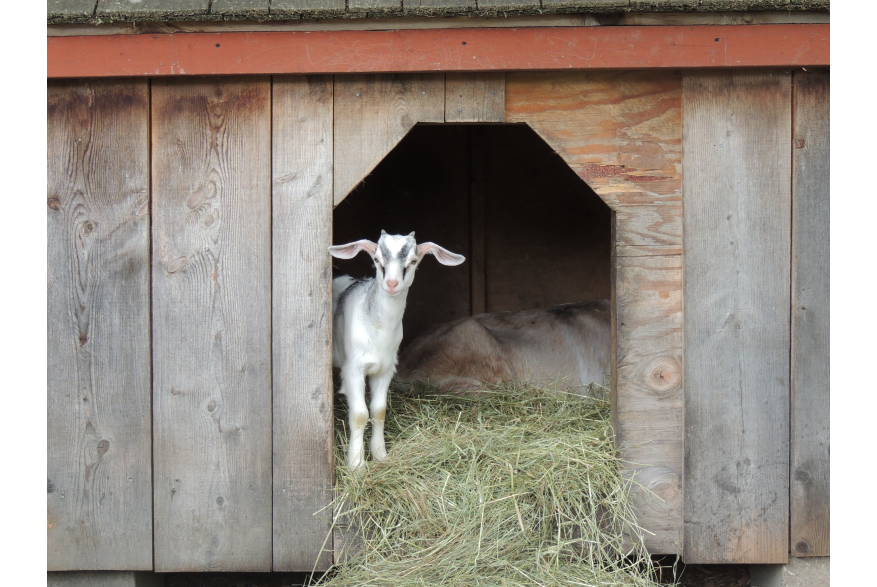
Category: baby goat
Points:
column 367, row 329
column 569, row 342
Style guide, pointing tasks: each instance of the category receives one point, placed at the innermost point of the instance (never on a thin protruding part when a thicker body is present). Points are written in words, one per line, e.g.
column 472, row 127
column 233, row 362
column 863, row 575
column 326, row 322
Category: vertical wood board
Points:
column 372, row 113
column 302, row 321
column 737, row 198
column 809, row 482
column 99, row 422
column 647, row 390
column 474, row 97
column 211, row 284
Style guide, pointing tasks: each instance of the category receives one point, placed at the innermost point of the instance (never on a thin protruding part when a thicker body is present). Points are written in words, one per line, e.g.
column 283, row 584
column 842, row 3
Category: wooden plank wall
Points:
column 621, row 133
column 211, row 285
column 220, row 361
column 99, row 421
column 737, row 193
column 809, row 491
column 474, row 97
column 302, row 321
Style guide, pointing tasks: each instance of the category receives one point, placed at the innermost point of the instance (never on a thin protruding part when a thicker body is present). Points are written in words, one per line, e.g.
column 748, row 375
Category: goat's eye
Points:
column 413, row 263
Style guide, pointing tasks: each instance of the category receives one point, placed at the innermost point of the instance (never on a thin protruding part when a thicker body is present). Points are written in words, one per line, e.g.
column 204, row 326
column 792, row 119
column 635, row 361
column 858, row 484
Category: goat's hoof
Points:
column 379, row 453
column 357, row 465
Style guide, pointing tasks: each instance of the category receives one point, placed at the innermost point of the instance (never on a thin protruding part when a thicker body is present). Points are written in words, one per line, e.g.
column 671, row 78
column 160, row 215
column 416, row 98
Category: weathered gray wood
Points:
column 99, row 454
column 152, row 9
column 211, row 284
column 302, row 321
column 810, row 495
column 737, row 198
column 475, row 97
column 648, row 390
column 372, row 113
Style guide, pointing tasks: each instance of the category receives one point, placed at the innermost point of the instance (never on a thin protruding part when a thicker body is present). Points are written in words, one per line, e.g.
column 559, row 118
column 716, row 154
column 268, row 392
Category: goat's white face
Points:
column 396, row 258
column 395, row 262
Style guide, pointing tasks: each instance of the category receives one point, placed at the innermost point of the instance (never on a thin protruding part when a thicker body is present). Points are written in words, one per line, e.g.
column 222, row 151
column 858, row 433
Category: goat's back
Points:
column 570, row 343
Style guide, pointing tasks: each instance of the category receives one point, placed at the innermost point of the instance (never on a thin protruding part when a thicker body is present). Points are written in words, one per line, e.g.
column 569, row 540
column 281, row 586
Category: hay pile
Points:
column 512, row 486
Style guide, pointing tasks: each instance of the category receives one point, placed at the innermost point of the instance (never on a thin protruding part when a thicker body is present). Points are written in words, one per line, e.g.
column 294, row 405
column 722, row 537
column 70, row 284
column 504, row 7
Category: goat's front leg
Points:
column 379, row 386
column 353, row 387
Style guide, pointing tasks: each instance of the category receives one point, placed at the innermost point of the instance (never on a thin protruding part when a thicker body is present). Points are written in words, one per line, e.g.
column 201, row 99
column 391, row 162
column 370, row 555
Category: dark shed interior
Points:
column 533, row 233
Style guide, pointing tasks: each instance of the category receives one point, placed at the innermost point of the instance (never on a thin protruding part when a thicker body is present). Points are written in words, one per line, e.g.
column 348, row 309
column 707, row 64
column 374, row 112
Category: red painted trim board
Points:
column 476, row 49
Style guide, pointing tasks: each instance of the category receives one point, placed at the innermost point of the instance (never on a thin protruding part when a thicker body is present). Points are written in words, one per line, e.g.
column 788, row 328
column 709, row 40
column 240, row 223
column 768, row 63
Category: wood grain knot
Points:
column 663, row 489
column 802, row 476
column 664, row 375
column 102, row 447
column 201, row 195
column 802, row 547
column 177, row 264
column 54, row 203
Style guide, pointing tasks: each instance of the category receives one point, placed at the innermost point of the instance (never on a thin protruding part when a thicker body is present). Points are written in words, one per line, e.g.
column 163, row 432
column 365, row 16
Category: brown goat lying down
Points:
column 570, row 342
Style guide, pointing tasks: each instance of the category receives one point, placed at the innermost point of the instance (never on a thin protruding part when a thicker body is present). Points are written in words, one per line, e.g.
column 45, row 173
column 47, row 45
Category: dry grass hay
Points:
column 509, row 486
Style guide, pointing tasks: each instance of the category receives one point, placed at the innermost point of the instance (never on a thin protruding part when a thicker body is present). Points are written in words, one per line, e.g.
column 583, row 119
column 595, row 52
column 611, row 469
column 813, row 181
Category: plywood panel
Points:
column 475, row 97
column 99, row 450
column 810, row 495
column 302, row 321
column 421, row 186
column 647, row 406
column 737, row 197
column 372, row 113
column 619, row 131
column 211, row 285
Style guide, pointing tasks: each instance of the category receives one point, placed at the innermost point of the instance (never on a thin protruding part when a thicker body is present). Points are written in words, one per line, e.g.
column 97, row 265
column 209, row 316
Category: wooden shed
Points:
column 202, row 156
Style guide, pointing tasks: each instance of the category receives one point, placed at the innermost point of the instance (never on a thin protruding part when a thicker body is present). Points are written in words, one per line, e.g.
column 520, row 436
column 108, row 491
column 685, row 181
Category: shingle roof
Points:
column 94, row 11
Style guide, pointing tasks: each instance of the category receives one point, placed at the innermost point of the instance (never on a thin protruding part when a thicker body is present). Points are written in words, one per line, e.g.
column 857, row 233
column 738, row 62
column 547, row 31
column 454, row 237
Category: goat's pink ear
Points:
column 350, row 250
column 444, row 256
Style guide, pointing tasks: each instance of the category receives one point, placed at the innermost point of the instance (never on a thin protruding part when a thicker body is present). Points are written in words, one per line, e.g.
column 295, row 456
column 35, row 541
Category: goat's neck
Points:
column 389, row 309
